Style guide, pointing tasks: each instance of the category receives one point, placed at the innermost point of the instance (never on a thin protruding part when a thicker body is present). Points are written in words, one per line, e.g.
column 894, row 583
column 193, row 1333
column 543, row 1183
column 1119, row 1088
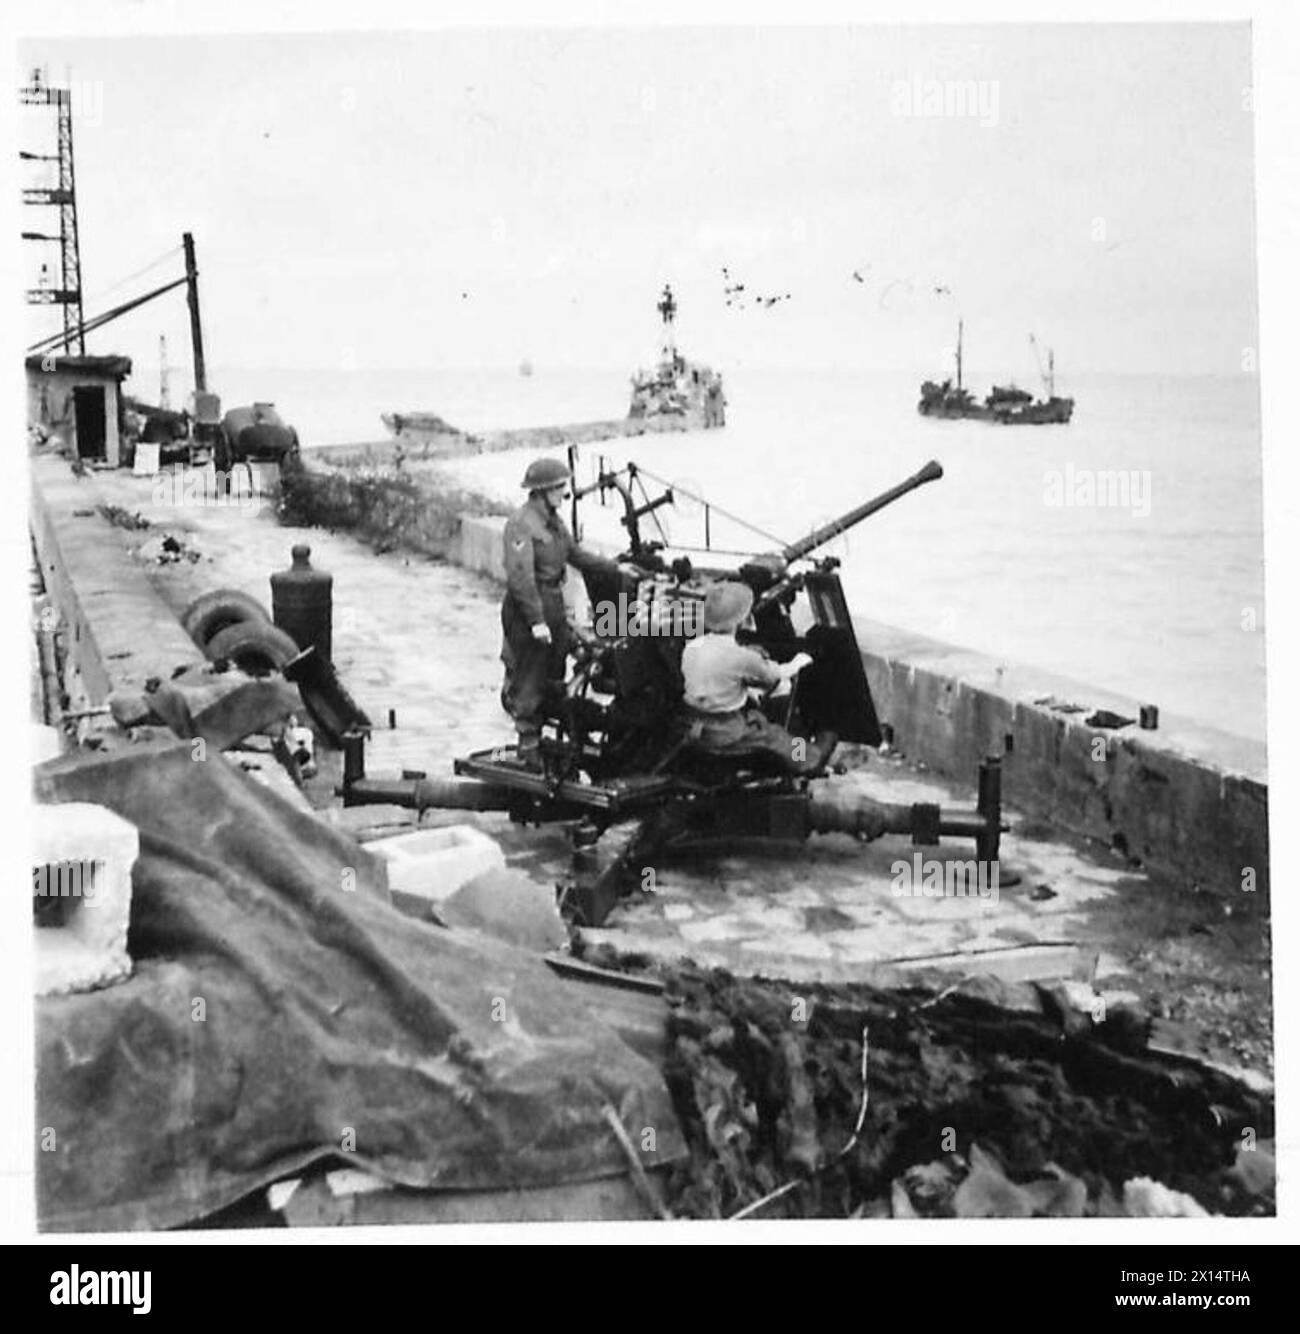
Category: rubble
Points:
column 973, row 1111
column 167, row 549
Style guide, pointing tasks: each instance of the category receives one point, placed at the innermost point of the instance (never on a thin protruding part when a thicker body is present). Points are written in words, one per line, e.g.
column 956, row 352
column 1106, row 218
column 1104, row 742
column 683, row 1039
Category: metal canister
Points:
column 302, row 603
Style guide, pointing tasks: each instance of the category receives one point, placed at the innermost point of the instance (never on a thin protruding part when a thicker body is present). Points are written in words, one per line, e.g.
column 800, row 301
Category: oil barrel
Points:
column 302, row 603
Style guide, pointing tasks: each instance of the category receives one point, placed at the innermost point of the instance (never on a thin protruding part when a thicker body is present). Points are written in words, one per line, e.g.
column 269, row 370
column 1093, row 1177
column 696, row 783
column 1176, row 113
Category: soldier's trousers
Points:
column 746, row 732
column 534, row 672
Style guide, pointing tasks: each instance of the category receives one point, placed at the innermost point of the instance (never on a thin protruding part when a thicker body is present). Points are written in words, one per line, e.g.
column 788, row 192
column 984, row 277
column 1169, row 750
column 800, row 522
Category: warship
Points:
column 676, row 395
column 677, row 387
column 1007, row 405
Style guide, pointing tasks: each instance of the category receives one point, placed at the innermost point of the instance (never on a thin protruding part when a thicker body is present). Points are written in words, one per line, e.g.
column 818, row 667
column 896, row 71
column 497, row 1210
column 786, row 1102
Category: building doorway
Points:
column 90, row 422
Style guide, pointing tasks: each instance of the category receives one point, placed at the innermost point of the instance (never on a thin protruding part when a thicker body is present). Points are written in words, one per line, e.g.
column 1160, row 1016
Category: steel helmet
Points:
column 543, row 473
column 726, row 605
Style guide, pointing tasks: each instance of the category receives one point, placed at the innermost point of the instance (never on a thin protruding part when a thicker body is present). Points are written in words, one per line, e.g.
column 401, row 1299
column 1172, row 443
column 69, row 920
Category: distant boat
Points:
column 1005, row 404
column 676, row 387
column 525, row 368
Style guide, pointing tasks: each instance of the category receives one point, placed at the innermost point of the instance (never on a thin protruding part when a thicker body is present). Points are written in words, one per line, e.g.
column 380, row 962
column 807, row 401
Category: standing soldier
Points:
column 538, row 547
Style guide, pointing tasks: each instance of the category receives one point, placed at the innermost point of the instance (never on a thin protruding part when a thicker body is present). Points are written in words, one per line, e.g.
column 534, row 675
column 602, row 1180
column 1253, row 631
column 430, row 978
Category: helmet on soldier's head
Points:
column 726, row 605
column 544, row 473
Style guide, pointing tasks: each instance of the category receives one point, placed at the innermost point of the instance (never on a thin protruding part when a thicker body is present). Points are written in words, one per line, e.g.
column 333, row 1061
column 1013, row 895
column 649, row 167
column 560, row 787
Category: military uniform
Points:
column 538, row 549
column 717, row 672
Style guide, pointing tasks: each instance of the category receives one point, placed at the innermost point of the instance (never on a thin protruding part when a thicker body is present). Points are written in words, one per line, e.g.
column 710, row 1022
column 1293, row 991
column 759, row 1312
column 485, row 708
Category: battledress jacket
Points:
column 538, row 548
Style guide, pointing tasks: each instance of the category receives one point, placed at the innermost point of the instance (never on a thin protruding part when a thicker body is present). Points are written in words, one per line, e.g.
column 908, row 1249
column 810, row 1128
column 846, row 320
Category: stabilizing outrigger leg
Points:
column 620, row 827
column 925, row 822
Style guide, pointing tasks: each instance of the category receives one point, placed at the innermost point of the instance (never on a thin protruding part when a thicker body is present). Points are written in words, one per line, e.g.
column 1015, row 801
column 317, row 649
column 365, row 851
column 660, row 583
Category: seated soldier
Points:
column 718, row 673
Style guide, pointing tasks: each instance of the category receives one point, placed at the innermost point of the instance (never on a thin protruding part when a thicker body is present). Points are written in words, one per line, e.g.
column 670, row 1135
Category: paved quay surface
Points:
column 422, row 638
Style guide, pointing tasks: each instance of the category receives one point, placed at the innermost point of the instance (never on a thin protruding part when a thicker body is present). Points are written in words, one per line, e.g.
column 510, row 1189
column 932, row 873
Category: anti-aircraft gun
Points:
column 618, row 761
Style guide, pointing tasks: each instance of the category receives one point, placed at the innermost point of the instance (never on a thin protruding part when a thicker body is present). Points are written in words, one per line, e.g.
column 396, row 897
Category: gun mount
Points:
column 617, row 748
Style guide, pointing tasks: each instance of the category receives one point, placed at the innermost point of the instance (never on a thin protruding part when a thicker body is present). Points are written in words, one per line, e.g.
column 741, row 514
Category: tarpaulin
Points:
column 282, row 1011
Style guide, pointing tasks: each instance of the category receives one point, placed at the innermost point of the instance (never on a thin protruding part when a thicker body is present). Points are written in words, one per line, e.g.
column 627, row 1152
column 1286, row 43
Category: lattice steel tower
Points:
column 64, row 198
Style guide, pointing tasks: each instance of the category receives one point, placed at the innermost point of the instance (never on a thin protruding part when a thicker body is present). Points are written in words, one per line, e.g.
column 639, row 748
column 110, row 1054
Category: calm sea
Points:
column 1160, row 597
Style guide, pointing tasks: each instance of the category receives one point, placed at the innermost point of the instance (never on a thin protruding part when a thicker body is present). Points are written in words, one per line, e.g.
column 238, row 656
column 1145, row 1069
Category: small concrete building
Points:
column 79, row 399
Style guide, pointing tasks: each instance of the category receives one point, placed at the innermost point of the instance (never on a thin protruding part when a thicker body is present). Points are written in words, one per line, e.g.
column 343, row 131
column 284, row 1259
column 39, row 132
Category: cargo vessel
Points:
column 1007, row 405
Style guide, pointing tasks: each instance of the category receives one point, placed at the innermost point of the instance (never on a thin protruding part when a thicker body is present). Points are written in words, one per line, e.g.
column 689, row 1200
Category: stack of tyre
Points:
column 229, row 626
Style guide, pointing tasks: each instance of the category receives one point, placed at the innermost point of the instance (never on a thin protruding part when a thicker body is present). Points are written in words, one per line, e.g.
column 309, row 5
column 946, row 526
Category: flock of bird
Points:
column 734, row 294
column 737, row 296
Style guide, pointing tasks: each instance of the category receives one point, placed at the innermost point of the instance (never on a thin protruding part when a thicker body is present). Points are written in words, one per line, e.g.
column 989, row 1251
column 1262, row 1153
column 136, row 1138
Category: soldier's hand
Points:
column 542, row 632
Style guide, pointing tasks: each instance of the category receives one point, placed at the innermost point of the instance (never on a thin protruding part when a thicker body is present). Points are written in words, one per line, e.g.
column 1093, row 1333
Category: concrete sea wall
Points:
column 415, row 444
column 118, row 632
column 1188, row 801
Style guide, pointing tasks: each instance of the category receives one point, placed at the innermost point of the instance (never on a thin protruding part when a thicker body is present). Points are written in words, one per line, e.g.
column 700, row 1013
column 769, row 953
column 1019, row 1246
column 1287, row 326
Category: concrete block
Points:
column 429, row 865
column 82, row 857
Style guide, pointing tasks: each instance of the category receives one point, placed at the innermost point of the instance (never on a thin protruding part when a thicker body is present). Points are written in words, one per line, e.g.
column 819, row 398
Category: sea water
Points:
column 1124, row 550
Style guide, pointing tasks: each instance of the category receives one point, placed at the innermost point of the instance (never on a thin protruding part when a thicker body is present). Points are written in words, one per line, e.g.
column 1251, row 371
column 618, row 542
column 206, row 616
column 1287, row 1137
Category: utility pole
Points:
column 64, row 198
column 196, row 327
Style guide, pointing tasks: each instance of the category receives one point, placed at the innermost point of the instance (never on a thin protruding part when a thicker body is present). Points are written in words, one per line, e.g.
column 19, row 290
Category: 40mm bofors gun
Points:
column 619, row 763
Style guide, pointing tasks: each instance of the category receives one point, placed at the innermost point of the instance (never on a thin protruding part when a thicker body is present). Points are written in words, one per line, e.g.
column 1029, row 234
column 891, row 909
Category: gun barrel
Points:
column 797, row 550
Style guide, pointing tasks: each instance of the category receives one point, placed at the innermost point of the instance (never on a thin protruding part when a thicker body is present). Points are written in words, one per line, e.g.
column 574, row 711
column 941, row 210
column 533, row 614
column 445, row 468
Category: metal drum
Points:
column 302, row 601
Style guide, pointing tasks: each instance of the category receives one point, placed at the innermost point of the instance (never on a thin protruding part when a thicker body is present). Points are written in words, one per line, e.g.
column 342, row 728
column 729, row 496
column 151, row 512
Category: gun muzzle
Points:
column 931, row 472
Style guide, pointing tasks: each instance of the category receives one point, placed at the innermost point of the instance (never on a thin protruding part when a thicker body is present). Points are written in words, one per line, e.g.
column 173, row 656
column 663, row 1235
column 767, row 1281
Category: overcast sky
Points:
column 462, row 198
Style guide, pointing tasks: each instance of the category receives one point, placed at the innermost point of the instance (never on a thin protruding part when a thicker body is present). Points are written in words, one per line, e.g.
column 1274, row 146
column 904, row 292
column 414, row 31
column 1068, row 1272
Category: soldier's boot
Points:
column 528, row 751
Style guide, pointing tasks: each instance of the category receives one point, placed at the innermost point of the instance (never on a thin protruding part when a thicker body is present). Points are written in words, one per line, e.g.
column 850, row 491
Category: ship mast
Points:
column 959, row 333
column 1049, row 380
column 668, row 309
